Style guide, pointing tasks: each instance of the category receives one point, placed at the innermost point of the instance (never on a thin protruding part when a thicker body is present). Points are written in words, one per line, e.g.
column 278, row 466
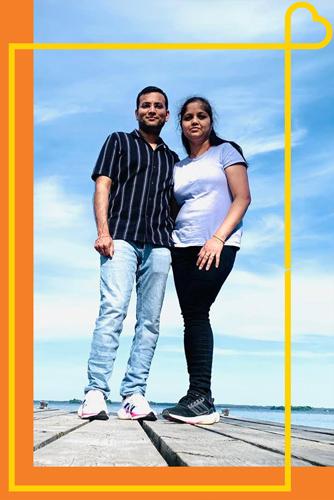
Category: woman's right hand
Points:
column 209, row 252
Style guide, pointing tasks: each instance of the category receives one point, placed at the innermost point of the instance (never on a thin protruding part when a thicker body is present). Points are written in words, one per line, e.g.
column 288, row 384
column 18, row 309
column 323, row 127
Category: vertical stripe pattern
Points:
column 142, row 180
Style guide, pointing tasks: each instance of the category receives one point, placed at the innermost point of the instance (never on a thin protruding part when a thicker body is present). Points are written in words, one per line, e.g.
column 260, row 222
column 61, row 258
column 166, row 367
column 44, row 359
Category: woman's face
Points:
column 196, row 123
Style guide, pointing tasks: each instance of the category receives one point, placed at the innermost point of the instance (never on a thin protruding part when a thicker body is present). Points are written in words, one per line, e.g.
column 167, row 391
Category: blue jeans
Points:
column 149, row 266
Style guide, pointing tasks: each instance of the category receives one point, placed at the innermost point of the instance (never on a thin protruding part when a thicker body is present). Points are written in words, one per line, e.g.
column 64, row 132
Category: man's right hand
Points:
column 104, row 245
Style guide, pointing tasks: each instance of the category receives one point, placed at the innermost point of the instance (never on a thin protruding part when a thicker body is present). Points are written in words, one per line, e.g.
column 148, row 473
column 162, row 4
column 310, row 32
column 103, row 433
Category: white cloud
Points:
column 323, row 171
column 64, row 315
column 311, row 179
column 265, row 143
column 252, row 112
column 69, row 311
column 221, row 20
column 49, row 112
column 312, row 305
column 266, row 232
column 54, row 208
column 296, row 353
column 312, row 355
column 64, row 228
column 314, row 181
column 250, row 305
column 227, row 352
column 267, row 191
column 67, row 252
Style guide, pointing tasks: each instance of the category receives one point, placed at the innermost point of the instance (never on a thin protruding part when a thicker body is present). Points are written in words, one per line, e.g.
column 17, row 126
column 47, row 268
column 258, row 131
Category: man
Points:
column 133, row 188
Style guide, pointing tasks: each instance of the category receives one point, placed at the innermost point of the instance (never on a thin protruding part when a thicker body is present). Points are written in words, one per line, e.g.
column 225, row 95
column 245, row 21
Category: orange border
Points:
column 18, row 28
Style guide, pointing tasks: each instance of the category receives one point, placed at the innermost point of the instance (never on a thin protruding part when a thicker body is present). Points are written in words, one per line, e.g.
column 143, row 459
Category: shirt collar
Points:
column 137, row 135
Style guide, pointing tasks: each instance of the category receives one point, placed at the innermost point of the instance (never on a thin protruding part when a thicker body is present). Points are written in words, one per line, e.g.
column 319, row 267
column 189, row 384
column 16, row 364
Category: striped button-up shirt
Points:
column 141, row 190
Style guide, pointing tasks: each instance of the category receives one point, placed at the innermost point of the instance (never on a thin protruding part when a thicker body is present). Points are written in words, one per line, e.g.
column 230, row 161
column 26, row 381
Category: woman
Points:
column 212, row 193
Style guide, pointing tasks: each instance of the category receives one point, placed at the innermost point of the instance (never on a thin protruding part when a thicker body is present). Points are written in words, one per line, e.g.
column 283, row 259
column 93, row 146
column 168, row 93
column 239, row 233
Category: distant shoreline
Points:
column 301, row 408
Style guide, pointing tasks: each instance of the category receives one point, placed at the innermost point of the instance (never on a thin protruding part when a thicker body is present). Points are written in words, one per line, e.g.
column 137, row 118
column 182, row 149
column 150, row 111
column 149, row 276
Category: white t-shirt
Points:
column 202, row 192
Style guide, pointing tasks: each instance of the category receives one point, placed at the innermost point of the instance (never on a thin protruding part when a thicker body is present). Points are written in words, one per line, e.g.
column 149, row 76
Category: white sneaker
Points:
column 136, row 407
column 94, row 406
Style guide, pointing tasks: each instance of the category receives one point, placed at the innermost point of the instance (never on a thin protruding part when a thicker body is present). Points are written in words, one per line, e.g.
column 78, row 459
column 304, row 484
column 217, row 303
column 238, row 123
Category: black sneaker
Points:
column 193, row 409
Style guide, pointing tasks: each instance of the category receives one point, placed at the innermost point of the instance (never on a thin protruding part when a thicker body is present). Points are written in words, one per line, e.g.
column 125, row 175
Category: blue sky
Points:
column 81, row 96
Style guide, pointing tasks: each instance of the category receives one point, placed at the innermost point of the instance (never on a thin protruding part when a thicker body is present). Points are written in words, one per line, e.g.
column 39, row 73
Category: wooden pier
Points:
column 62, row 439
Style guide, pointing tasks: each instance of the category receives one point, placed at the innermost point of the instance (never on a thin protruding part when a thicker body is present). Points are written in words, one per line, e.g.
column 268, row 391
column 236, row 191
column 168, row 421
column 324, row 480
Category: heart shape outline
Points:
column 315, row 18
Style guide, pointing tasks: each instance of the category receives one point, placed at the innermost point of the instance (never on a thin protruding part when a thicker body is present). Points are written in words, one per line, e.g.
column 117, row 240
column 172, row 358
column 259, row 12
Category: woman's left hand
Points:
column 210, row 250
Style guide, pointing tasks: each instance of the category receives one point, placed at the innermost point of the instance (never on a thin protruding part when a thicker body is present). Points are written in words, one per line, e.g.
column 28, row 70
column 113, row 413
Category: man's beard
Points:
column 150, row 129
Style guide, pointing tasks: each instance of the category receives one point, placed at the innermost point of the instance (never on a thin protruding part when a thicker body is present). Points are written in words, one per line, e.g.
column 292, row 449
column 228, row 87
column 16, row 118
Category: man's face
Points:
column 152, row 113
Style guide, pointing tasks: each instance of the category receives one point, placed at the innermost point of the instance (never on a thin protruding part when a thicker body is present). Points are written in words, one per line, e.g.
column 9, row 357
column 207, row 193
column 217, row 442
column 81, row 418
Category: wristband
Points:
column 219, row 239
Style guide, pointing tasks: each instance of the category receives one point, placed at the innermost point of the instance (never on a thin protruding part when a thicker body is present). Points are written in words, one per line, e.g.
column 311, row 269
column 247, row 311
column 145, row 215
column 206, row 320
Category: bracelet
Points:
column 219, row 239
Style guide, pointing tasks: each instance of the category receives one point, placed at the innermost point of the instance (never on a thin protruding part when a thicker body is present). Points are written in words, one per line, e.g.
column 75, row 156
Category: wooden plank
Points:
column 314, row 452
column 311, row 433
column 49, row 429
column 320, row 430
column 188, row 445
column 44, row 414
column 101, row 443
column 231, row 442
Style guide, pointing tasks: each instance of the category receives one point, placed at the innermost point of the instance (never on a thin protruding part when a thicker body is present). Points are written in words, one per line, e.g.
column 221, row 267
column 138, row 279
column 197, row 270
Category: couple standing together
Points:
column 152, row 209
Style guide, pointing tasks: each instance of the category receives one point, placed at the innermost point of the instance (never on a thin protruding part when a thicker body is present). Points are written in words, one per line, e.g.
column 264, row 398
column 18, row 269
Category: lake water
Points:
column 315, row 417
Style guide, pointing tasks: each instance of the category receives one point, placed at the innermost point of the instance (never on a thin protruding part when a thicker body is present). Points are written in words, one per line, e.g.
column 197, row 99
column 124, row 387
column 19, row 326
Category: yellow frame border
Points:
column 287, row 47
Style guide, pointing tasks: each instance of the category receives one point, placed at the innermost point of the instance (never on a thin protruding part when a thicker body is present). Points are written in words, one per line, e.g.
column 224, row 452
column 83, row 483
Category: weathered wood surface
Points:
column 53, row 427
column 316, row 453
column 205, row 445
column 62, row 439
column 100, row 443
column 42, row 414
column 317, row 434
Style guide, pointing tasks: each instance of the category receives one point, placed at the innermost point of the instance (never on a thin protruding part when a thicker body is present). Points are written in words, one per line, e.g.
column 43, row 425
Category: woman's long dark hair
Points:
column 214, row 139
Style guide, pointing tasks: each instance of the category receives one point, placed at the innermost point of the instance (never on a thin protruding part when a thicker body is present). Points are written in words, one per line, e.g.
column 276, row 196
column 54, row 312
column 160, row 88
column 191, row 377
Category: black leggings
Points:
column 196, row 291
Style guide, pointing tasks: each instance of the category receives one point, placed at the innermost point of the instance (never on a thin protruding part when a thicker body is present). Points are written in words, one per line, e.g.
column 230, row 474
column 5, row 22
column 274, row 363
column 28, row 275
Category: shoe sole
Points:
column 171, row 419
column 102, row 415
column 150, row 417
column 210, row 419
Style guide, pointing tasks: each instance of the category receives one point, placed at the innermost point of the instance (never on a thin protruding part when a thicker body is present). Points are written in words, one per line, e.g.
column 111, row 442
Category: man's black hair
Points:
column 148, row 90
